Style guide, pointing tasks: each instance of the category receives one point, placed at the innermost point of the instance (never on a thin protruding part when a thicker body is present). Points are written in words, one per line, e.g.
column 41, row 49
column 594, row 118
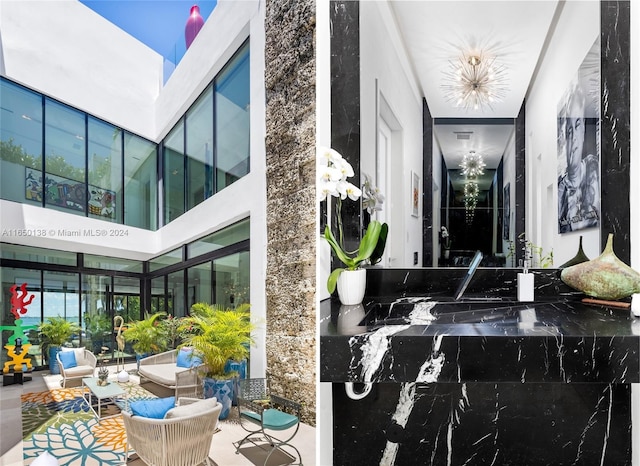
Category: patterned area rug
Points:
column 60, row 422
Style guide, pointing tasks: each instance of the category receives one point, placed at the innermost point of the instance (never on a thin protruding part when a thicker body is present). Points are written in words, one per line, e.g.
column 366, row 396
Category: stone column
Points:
column 291, row 205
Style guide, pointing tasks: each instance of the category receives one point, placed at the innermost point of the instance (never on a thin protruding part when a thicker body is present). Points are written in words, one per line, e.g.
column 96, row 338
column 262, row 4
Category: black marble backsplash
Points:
column 444, row 281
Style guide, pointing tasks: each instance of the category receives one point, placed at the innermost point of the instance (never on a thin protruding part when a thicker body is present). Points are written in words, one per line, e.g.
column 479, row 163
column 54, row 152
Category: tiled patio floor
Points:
column 222, row 448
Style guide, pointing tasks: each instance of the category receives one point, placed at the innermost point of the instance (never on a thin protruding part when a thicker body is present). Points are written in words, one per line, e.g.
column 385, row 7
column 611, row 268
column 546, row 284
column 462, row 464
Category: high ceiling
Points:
column 437, row 32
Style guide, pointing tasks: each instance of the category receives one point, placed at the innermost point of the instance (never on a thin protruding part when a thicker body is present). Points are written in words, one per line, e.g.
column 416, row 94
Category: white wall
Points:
column 567, row 49
column 383, row 59
column 60, row 48
column 65, row 50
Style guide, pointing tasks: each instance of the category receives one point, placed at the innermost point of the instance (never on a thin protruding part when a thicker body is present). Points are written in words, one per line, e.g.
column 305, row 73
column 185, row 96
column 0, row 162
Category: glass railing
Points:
column 172, row 57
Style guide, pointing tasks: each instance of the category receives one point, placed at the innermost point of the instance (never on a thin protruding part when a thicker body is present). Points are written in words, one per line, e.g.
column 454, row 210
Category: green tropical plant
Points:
column 56, row 331
column 218, row 334
column 147, row 335
column 98, row 327
column 172, row 330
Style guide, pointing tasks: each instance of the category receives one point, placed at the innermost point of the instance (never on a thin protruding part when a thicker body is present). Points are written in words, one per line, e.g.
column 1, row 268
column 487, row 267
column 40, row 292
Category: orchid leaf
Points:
column 344, row 258
column 380, row 245
column 368, row 242
column 333, row 279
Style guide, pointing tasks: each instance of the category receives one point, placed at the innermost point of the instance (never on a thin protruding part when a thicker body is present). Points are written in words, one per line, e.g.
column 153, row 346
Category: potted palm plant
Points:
column 148, row 336
column 218, row 335
column 55, row 332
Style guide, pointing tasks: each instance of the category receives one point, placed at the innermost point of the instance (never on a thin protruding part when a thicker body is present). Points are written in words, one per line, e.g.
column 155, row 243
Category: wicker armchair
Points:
column 85, row 365
column 261, row 413
column 183, row 440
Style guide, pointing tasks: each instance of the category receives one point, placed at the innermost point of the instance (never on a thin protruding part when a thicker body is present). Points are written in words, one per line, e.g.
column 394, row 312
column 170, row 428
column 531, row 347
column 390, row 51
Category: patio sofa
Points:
column 168, row 370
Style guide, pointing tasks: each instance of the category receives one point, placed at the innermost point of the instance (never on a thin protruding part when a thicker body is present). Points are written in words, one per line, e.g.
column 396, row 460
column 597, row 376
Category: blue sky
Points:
column 157, row 23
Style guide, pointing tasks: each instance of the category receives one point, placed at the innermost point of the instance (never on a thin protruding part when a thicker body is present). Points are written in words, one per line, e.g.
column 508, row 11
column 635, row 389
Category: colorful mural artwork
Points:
column 18, row 344
column 69, row 194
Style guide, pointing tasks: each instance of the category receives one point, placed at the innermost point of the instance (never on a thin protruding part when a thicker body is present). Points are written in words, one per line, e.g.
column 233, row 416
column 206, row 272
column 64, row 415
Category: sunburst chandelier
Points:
column 472, row 165
column 475, row 81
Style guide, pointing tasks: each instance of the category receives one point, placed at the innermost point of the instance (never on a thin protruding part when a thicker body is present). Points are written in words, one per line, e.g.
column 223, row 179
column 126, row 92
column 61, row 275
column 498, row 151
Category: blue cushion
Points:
column 273, row 419
column 187, row 359
column 68, row 359
column 154, row 408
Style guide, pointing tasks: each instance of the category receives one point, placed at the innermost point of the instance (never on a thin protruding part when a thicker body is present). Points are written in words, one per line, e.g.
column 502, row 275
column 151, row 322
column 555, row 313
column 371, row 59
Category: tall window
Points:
column 216, row 135
column 105, row 171
column 20, row 144
column 231, row 279
column 176, row 295
column 199, row 124
column 140, row 180
column 61, row 298
column 126, row 298
column 174, row 173
column 199, row 280
column 96, row 310
column 232, row 120
column 158, row 296
column 65, row 158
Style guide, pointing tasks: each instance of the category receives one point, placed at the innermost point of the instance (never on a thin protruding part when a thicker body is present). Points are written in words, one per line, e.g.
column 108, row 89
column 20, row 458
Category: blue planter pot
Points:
column 241, row 369
column 139, row 357
column 53, row 361
column 223, row 390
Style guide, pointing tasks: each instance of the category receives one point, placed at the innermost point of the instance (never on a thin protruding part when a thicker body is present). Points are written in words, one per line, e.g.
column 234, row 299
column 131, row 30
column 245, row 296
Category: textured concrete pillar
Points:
column 291, row 206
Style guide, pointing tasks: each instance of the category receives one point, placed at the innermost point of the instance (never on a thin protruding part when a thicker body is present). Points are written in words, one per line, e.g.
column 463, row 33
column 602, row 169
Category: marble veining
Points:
column 373, row 347
column 428, row 374
column 479, row 382
column 479, row 423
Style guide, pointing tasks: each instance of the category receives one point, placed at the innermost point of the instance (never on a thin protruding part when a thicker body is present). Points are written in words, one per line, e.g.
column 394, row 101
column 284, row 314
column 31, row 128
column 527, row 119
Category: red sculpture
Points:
column 19, row 301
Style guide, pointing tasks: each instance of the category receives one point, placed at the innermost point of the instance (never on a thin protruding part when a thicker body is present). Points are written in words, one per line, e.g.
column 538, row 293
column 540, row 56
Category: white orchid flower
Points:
column 326, row 156
column 326, row 189
column 349, row 190
column 372, row 198
column 346, row 169
column 326, row 174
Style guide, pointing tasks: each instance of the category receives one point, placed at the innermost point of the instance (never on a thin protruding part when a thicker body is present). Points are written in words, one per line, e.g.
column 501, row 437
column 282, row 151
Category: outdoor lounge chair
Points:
column 261, row 413
column 84, row 364
column 182, row 438
column 163, row 369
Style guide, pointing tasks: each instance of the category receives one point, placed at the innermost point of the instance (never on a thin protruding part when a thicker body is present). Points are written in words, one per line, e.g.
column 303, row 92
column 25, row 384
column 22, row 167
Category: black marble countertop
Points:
column 557, row 338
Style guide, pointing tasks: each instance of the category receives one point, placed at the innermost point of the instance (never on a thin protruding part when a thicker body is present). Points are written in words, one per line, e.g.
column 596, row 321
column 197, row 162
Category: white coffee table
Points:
column 99, row 397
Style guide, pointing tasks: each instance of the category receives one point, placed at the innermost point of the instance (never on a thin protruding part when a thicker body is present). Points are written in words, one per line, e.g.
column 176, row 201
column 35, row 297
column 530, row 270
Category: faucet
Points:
column 475, row 262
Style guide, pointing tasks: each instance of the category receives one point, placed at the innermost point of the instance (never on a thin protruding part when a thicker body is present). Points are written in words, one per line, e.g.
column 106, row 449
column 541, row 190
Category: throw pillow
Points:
column 154, row 408
column 78, row 351
column 191, row 409
column 186, row 358
column 68, row 359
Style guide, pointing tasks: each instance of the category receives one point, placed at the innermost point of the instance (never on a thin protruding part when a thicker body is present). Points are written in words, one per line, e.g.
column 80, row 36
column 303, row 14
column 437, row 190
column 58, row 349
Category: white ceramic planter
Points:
column 351, row 285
